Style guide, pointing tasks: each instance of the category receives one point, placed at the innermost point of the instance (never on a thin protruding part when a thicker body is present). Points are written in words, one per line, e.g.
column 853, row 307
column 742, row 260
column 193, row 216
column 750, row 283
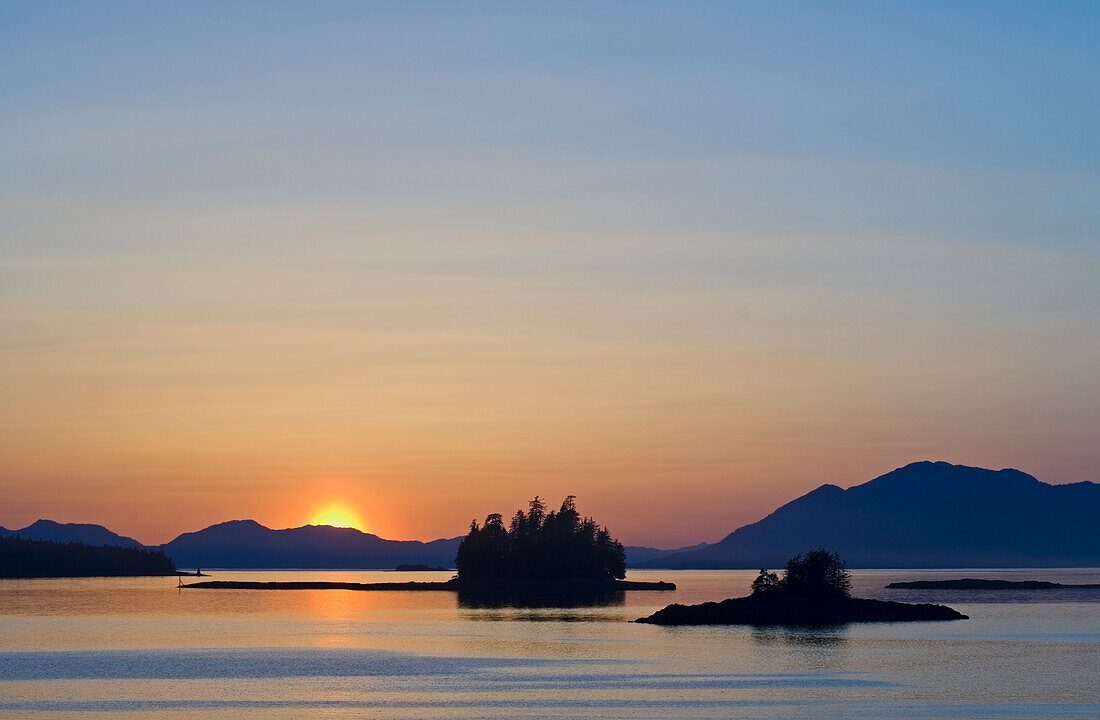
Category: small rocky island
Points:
column 982, row 584
column 815, row 590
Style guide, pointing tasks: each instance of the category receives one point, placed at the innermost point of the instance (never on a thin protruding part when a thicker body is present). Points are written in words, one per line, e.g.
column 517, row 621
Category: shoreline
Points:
column 448, row 585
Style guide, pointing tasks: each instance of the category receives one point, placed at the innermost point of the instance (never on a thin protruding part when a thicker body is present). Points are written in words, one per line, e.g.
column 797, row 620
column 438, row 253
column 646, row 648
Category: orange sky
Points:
column 675, row 413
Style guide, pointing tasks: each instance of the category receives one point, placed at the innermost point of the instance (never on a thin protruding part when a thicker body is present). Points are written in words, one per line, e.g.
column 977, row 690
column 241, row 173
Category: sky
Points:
column 423, row 261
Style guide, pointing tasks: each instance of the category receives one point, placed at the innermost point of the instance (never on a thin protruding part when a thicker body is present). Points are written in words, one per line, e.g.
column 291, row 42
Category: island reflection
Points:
column 540, row 598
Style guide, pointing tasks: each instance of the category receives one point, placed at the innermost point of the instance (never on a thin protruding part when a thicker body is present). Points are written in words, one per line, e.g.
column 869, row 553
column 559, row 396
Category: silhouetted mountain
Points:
column 248, row 544
column 51, row 531
column 636, row 555
column 923, row 515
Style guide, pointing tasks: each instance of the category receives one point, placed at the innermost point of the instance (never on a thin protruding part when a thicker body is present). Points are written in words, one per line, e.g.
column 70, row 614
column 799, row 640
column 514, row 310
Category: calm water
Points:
column 101, row 647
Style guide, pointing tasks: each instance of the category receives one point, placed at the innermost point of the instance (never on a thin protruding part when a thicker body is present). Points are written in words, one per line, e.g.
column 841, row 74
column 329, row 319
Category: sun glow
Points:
column 338, row 516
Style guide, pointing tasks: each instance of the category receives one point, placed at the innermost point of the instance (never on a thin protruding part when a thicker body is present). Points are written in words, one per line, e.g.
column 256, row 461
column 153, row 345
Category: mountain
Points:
column 51, row 531
column 248, row 544
column 636, row 555
column 927, row 514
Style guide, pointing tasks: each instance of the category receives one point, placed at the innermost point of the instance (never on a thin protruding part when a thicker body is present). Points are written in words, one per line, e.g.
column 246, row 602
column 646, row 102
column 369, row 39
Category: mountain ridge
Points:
column 249, row 544
column 925, row 514
column 251, row 534
column 87, row 533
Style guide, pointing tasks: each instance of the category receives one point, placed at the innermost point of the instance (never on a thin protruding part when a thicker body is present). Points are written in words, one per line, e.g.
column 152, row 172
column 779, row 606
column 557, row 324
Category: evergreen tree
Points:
column 21, row 557
column 817, row 574
column 765, row 582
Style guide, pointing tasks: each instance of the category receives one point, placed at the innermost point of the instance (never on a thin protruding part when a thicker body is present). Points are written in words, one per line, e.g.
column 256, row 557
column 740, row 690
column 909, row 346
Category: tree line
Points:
column 20, row 557
column 540, row 546
column 817, row 574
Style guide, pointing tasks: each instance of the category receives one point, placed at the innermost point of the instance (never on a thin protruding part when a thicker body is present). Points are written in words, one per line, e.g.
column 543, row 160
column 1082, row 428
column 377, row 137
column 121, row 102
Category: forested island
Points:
column 22, row 558
column 815, row 590
column 540, row 546
column 556, row 556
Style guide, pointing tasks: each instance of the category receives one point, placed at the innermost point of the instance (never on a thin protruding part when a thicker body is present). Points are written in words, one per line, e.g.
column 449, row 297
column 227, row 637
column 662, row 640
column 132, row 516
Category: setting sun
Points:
column 337, row 516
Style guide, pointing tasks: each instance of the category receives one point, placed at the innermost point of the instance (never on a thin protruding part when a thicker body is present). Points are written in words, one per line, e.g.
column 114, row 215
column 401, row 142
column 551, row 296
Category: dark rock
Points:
column 781, row 609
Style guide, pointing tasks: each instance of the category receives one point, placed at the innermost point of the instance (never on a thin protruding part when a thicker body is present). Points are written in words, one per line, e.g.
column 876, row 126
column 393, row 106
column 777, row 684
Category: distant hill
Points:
column 48, row 530
column 637, row 555
column 248, row 544
column 922, row 515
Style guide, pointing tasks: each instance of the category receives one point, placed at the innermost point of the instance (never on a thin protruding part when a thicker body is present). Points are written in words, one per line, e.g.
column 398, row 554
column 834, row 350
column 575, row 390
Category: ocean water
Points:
column 113, row 647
